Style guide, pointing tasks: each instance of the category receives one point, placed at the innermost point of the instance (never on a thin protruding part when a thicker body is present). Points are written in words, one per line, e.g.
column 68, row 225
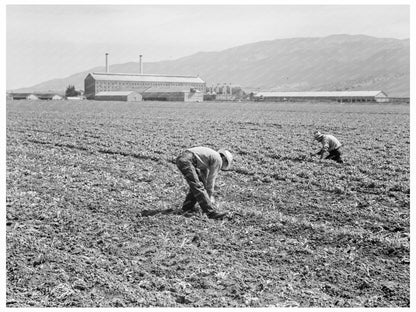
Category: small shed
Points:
column 49, row 96
column 32, row 97
column 126, row 96
column 57, row 97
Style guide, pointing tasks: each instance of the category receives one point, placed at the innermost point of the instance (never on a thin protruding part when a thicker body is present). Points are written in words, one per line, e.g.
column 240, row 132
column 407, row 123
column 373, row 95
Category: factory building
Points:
column 150, row 87
column 163, row 86
column 338, row 96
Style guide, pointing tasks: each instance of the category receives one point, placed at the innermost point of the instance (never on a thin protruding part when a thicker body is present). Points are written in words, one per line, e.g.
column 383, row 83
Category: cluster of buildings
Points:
column 35, row 96
column 106, row 86
column 41, row 96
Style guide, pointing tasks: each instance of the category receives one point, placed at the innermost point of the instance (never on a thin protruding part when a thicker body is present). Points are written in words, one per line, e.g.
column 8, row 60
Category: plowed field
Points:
column 86, row 179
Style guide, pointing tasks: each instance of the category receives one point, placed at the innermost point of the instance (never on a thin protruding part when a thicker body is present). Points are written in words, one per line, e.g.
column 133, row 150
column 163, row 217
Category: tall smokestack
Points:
column 141, row 65
column 107, row 69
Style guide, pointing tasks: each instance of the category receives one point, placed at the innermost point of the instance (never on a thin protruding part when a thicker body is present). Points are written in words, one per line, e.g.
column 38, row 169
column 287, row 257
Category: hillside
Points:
column 338, row 62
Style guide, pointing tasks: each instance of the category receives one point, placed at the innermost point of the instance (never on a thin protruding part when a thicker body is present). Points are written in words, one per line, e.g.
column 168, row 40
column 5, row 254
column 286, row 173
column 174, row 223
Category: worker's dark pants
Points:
column 186, row 163
column 335, row 155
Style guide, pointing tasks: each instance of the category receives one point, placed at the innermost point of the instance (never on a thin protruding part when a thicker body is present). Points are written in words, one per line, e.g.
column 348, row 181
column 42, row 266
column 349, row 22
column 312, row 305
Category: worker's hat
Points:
column 228, row 156
column 317, row 135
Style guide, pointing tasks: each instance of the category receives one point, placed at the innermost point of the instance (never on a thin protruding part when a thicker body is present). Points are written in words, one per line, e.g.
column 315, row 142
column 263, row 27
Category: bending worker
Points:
column 200, row 167
column 330, row 146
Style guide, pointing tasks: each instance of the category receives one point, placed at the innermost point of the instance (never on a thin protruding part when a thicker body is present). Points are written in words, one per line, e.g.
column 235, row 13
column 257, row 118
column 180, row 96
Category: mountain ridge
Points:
column 335, row 62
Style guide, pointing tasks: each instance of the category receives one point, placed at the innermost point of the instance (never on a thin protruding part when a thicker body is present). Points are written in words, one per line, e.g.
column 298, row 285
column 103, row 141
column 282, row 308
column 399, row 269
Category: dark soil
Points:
column 93, row 196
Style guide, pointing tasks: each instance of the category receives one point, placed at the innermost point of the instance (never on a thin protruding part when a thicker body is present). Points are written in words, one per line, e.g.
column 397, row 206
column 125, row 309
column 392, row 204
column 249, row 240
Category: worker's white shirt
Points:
column 209, row 163
column 330, row 143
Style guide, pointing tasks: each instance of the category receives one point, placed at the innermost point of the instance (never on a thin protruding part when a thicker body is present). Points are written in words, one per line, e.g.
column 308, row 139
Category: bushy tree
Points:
column 238, row 92
column 70, row 91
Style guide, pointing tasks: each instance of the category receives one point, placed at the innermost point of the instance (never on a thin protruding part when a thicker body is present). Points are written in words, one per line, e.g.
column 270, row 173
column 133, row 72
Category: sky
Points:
column 45, row 42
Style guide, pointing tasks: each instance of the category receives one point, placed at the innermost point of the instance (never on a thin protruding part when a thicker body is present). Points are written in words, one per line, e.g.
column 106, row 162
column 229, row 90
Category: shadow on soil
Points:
column 169, row 211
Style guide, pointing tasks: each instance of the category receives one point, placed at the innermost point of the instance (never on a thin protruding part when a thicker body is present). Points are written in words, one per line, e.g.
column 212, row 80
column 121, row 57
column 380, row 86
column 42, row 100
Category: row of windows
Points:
column 110, row 88
column 158, row 84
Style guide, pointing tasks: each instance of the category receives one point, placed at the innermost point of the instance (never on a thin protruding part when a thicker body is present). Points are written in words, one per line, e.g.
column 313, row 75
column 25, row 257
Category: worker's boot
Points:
column 189, row 205
column 217, row 215
column 209, row 209
column 190, row 211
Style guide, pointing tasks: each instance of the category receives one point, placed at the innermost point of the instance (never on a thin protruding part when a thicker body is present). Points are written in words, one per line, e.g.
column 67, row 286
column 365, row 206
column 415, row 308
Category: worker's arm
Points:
column 316, row 153
column 211, row 177
column 325, row 146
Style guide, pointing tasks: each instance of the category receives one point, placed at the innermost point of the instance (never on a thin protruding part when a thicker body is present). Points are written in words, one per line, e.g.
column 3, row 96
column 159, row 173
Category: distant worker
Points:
column 200, row 167
column 330, row 147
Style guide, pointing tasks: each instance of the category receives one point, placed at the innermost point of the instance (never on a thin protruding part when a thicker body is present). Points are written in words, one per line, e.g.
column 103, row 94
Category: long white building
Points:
column 339, row 96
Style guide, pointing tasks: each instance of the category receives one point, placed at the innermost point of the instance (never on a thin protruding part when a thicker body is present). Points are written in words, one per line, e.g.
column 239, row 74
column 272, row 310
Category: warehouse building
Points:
column 154, row 87
column 127, row 96
column 36, row 96
column 338, row 96
column 23, row 96
column 177, row 94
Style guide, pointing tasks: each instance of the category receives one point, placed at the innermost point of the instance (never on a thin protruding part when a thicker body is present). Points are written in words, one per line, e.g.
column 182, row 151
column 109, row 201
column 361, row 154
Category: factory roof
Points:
column 321, row 94
column 21, row 93
column 149, row 78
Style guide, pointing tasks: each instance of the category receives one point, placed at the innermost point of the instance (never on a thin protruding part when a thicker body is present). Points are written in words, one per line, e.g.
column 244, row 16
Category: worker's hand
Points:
column 212, row 199
column 325, row 154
